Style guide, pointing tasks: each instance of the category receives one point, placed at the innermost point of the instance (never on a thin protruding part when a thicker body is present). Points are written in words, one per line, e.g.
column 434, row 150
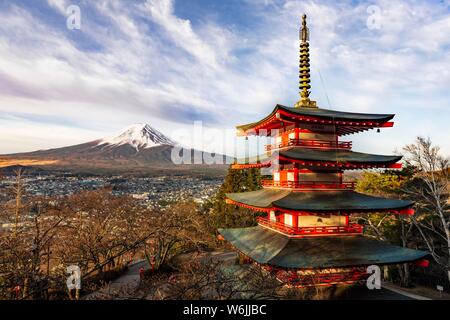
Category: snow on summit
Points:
column 140, row 136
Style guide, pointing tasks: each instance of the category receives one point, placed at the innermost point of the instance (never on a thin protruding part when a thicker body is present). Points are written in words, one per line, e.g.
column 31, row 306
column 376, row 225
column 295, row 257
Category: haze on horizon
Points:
column 170, row 63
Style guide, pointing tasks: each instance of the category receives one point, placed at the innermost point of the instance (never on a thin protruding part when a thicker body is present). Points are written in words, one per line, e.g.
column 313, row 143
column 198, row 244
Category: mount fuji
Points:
column 138, row 148
column 140, row 136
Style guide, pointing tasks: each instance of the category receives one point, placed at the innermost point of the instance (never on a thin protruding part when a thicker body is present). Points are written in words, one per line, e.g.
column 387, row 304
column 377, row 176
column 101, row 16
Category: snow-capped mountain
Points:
column 140, row 136
column 138, row 148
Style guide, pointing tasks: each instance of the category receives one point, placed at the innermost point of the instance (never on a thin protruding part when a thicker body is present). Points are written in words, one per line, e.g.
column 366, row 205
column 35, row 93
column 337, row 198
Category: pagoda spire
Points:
column 305, row 72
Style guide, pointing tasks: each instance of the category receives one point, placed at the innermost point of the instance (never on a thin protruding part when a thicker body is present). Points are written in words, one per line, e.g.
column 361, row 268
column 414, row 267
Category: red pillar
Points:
column 295, row 220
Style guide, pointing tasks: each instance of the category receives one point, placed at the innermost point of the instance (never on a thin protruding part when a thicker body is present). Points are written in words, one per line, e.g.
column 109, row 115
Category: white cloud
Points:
column 180, row 31
column 59, row 5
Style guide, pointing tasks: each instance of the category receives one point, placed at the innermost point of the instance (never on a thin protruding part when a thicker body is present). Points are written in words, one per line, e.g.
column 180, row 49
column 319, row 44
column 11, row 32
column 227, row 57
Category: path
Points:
column 363, row 293
column 403, row 292
column 123, row 286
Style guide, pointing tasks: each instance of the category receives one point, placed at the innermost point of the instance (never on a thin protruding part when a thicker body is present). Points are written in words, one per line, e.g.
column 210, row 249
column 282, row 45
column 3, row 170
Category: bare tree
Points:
column 430, row 190
column 179, row 228
column 102, row 231
column 206, row 278
column 26, row 243
column 93, row 230
column 18, row 191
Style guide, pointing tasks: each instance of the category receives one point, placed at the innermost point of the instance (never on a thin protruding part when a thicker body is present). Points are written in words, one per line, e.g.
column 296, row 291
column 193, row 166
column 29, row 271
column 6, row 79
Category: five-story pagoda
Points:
column 307, row 237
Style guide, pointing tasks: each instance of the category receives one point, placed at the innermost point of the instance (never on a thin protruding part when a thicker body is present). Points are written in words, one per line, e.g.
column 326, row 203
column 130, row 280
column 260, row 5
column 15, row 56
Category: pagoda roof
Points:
column 316, row 201
column 269, row 247
column 332, row 157
column 311, row 114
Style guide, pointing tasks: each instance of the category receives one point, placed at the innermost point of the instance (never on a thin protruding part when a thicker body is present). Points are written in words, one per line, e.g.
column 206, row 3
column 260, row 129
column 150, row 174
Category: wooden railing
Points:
column 311, row 231
column 320, row 144
column 309, row 184
column 291, row 278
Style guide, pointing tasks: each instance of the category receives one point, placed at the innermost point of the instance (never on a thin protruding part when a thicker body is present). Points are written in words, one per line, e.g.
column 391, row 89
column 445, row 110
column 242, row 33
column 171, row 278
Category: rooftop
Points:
column 346, row 122
column 333, row 158
column 272, row 248
column 317, row 201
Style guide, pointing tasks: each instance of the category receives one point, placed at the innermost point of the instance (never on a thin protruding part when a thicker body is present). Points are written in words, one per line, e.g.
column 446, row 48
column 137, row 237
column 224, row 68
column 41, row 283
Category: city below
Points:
column 157, row 191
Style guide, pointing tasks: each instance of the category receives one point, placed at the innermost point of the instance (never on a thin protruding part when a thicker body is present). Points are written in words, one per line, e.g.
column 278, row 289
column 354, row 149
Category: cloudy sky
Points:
column 169, row 63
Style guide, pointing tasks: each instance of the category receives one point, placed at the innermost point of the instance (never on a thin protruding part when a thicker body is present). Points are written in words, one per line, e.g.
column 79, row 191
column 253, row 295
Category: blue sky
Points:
column 169, row 63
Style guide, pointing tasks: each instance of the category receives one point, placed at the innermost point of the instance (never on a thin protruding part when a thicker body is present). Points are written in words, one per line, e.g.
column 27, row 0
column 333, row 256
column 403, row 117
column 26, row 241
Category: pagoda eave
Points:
column 318, row 201
column 340, row 165
column 342, row 159
column 247, row 206
column 347, row 165
column 345, row 122
column 268, row 247
column 343, row 212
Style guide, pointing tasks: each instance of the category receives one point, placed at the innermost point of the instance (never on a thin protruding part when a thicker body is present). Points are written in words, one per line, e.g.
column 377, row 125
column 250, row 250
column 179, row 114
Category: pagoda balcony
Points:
column 318, row 144
column 351, row 229
column 308, row 184
column 345, row 276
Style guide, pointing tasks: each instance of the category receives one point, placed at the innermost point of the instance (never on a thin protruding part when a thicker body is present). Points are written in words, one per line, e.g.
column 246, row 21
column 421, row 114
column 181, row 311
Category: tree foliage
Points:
column 424, row 180
column 230, row 216
column 385, row 182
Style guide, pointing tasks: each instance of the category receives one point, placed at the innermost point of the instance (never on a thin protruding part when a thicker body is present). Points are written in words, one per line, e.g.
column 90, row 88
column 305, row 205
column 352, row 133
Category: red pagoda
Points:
column 307, row 237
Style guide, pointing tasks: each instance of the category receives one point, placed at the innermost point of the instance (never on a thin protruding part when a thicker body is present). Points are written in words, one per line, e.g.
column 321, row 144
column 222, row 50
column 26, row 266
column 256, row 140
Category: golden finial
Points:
column 305, row 77
column 304, row 32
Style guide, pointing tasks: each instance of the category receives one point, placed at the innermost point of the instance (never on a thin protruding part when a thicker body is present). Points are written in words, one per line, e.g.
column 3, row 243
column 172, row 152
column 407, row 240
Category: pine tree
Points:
column 231, row 216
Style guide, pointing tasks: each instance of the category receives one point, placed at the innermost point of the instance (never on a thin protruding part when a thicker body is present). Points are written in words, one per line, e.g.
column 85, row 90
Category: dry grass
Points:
column 25, row 162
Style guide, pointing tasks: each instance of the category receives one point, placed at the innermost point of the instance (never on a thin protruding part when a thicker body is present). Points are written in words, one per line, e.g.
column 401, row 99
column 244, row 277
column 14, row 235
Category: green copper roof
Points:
column 317, row 201
column 325, row 155
column 269, row 247
column 261, row 198
column 324, row 114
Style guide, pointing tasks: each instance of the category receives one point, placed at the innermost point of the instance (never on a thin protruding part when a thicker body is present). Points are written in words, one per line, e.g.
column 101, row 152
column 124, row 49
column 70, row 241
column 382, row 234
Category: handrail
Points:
column 324, row 144
column 309, row 184
column 313, row 231
column 320, row 279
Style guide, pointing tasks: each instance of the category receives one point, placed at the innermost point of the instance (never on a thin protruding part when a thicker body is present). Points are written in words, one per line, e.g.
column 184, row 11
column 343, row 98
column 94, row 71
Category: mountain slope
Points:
column 137, row 148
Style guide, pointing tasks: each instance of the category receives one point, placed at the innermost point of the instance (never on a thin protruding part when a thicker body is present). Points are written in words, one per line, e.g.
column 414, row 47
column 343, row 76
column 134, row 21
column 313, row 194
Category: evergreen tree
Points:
column 231, row 216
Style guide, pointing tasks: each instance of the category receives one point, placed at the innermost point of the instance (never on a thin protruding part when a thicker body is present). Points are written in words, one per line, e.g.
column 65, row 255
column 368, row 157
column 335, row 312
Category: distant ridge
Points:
column 138, row 148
